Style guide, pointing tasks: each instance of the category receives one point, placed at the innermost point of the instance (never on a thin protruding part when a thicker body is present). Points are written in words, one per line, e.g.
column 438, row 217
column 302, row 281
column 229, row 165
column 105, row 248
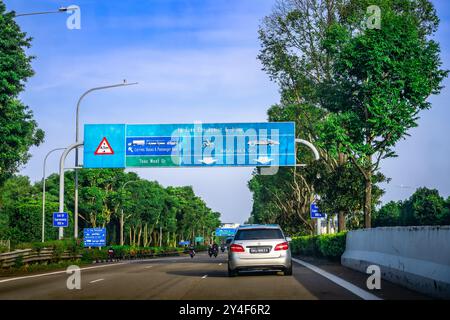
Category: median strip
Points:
column 363, row 294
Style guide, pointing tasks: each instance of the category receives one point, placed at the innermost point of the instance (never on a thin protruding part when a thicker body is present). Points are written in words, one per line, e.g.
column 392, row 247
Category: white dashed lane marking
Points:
column 98, row 280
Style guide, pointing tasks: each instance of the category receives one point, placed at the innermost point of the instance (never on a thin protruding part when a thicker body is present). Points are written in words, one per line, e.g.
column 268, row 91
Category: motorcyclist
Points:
column 191, row 250
column 210, row 249
column 111, row 254
column 215, row 249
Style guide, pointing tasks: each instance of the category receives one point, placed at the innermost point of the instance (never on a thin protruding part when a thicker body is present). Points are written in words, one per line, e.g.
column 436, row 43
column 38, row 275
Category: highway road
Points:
column 199, row 278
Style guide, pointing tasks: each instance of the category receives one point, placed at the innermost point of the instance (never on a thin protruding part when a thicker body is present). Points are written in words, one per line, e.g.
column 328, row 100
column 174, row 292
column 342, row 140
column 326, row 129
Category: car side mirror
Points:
column 288, row 239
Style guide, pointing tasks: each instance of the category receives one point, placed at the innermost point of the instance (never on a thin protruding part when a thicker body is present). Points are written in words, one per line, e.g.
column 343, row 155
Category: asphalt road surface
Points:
column 199, row 278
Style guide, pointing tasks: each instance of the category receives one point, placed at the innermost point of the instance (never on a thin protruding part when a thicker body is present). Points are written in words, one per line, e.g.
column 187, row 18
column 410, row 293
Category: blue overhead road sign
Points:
column 189, row 145
column 225, row 232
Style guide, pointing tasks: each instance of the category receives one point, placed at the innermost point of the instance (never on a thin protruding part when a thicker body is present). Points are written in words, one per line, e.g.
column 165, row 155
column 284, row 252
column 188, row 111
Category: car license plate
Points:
column 259, row 250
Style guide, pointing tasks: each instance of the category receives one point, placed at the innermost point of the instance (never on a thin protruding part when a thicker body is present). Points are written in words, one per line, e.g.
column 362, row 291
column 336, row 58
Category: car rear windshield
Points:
column 258, row 234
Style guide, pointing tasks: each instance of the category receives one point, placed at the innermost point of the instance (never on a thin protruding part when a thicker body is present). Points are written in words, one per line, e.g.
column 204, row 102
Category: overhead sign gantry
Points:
column 261, row 144
column 189, row 145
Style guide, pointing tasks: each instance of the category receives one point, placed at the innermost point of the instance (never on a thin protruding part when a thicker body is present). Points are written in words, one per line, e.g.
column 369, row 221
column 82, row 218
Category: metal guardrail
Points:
column 26, row 256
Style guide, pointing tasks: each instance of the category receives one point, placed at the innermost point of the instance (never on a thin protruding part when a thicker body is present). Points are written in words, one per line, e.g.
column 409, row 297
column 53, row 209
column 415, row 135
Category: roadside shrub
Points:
column 3, row 249
column 199, row 248
column 63, row 245
column 305, row 245
column 127, row 252
column 18, row 262
column 75, row 248
column 94, row 254
column 330, row 246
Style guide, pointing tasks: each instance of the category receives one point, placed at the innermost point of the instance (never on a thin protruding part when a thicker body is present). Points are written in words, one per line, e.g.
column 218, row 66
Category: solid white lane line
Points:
column 148, row 267
column 204, row 277
column 339, row 281
column 59, row 272
column 94, row 281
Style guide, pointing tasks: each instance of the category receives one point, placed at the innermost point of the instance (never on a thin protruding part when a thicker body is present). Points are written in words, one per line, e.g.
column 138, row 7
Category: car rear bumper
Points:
column 279, row 263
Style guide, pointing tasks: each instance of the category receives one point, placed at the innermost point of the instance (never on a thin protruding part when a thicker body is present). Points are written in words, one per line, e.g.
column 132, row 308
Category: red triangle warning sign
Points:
column 104, row 148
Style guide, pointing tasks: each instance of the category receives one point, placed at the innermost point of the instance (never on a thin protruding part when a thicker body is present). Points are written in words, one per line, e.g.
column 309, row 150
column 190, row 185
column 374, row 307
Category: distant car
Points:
column 259, row 247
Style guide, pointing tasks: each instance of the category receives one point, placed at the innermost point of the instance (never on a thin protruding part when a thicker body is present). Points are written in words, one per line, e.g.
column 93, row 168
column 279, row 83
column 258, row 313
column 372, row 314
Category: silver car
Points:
column 259, row 247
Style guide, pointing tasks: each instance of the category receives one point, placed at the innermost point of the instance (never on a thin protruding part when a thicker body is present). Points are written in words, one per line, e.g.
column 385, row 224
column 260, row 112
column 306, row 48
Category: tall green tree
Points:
column 381, row 81
column 293, row 56
column 424, row 207
column 388, row 215
column 21, row 211
column 18, row 130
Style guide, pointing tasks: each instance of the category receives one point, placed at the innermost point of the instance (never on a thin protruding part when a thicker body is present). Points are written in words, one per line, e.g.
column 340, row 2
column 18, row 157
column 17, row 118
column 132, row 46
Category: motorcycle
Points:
column 111, row 254
column 222, row 248
column 213, row 251
column 192, row 253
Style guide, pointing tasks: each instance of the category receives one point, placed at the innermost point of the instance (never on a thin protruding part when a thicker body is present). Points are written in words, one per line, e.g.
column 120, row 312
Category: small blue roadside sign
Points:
column 314, row 211
column 60, row 219
column 225, row 232
column 94, row 237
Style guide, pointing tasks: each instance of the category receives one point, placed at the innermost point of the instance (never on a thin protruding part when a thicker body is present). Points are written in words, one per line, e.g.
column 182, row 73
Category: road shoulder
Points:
column 388, row 291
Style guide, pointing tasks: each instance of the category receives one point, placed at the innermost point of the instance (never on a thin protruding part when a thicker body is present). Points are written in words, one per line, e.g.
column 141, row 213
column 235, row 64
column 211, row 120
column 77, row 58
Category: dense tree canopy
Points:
column 18, row 130
column 153, row 215
column 293, row 56
column 424, row 207
column 353, row 91
column 381, row 80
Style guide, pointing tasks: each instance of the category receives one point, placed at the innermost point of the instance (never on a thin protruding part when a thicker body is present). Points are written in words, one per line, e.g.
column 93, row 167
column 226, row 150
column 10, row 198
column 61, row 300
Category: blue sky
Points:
column 194, row 61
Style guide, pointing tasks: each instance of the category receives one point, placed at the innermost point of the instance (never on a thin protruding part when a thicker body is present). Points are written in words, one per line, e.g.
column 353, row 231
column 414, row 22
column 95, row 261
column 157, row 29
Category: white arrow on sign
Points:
column 263, row 160
column 208, row 160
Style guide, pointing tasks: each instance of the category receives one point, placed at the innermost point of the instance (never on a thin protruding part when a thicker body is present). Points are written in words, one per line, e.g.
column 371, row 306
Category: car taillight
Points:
column 282, row 246
column 236, row 248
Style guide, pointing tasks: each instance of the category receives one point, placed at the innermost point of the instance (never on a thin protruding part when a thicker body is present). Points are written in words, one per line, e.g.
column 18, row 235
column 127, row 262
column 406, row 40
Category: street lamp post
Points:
column 43, row 191
column 60, row 10
column 77, row 140
column 61, row 181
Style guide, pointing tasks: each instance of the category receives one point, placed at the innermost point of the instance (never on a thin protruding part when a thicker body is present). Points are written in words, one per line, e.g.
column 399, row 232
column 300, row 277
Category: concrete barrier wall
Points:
column 415, row 257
